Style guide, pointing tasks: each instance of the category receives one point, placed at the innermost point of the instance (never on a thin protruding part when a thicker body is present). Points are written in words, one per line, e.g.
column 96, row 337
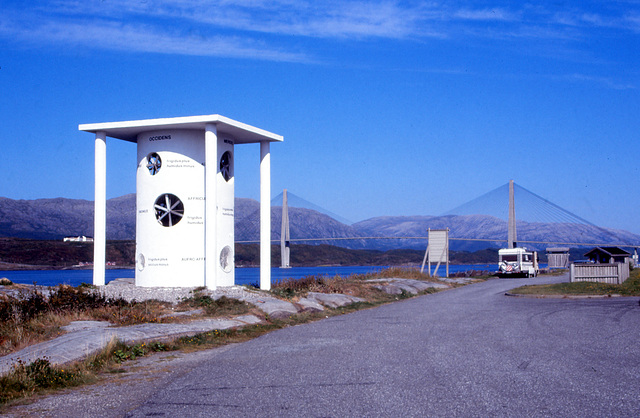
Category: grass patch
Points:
column 394, row 272
column 631, row 287
column 354, row 284
column 218, row 338
column 222, row 306
column 27, row 379
column 33, row 317
column 289, row 288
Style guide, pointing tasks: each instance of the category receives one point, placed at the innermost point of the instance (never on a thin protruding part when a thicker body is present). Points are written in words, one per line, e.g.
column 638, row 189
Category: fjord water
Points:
column 245, row 275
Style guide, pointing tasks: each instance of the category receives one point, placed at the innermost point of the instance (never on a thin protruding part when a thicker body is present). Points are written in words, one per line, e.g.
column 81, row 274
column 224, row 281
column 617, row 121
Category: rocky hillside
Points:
column 57, row 218
column 487, row 228
column 53, row 219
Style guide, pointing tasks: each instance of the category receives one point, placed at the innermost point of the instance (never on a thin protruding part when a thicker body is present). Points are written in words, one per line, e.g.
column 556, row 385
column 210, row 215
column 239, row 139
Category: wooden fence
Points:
column 614, row 273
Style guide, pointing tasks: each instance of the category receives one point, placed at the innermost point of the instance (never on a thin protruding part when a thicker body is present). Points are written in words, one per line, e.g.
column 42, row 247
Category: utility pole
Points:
column 511, row 234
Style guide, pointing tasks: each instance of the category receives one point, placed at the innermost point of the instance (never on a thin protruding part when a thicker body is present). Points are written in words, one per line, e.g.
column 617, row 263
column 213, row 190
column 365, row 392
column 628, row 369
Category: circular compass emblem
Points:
column 226, row 261
column 154, row 163
column 225, row 166
column 140, row 262
column 169, row 209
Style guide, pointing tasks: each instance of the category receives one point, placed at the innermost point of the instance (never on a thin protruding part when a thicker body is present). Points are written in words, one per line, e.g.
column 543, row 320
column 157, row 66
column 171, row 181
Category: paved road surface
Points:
column 466, row 352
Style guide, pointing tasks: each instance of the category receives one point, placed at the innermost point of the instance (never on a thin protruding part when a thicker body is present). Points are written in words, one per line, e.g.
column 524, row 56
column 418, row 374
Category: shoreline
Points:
column 40, row 267
column 43, row 267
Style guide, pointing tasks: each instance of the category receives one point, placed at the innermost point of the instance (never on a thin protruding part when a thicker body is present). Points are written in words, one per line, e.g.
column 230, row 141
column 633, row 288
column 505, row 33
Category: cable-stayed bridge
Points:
column 479, row 223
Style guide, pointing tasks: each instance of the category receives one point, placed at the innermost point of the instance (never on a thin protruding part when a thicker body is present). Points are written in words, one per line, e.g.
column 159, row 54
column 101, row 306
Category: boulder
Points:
column 395, row 286
column 333, row 300
column 310, row 305
column 275, row 308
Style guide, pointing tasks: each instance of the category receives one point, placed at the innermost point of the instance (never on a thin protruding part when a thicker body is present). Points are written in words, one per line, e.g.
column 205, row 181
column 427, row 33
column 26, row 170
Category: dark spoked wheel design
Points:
column 169, row 209
column 154, row 163
column 225, row 165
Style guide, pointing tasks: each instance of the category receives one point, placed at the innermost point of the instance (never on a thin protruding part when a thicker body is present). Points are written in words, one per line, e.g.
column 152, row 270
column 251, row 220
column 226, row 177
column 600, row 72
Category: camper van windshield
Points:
column 510, row 257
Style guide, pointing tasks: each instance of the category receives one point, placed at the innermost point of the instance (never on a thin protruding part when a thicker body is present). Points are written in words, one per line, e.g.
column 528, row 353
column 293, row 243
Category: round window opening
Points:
column 169, row 209
column 225, row 259
column 225, row 165
column 154, row 163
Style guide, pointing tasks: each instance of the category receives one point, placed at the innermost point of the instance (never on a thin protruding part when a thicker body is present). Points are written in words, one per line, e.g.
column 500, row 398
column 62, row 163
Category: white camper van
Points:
column 515, row 262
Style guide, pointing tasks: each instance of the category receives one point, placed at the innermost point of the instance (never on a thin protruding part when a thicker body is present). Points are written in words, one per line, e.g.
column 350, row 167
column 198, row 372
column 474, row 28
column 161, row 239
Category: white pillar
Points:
column 265, row 216
column 100, row 210
column 210, row 210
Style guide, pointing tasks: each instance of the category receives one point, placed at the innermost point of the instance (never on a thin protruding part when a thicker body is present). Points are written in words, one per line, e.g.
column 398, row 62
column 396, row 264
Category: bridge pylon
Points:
column 285, row 243
column 511, row 233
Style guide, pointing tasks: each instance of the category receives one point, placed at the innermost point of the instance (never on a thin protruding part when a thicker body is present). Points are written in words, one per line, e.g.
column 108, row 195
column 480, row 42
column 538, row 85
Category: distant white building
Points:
column 78, row 239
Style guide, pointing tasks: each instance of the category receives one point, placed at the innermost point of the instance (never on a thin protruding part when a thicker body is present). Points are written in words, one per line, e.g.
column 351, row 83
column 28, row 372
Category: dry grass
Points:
column 354, row 285
column 222, row 306
column 16, row 335
column 32, row 317
column 24, row 380
column 397, row 272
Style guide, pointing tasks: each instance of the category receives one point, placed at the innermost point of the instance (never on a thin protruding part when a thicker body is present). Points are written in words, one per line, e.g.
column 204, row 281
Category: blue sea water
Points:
column 245, row 275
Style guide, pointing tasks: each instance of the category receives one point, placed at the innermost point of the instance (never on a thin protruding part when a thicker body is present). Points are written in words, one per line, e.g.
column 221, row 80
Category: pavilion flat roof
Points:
column 129, row 130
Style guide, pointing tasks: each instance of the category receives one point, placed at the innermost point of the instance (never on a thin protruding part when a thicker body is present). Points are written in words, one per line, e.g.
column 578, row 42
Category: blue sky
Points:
column 386, row 107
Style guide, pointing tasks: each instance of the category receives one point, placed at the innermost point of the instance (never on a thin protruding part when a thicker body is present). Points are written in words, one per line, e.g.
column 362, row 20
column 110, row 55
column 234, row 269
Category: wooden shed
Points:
column 558, row 257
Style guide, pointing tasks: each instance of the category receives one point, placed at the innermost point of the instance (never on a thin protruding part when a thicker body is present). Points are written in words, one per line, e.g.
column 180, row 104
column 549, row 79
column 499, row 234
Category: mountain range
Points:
column 53, row 219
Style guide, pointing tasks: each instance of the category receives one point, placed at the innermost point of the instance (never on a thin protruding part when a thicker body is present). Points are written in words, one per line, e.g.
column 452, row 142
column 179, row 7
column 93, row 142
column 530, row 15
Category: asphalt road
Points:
column 471, row 351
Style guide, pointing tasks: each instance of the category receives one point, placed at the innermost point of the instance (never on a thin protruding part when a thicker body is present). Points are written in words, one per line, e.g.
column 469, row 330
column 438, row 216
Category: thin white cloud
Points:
column 320, row 20
column 100, row 34
column 485, row 14
column 624, row 20
column 344, row 19
column 267, row 29
column 633, row 22
column 604, row 81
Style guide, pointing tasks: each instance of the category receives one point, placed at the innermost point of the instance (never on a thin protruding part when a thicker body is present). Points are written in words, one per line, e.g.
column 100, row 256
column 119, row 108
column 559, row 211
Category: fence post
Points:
column 572, row 273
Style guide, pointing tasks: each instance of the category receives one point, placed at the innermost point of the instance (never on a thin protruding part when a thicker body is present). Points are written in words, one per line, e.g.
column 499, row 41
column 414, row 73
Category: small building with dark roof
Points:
column 606, row 255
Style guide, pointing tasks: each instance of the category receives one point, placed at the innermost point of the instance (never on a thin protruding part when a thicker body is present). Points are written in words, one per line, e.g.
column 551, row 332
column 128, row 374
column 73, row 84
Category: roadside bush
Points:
column 62, row 299
column 222, row 306
column 66, row 298
column 24, row 308
column 289, row 287
column 25, row 379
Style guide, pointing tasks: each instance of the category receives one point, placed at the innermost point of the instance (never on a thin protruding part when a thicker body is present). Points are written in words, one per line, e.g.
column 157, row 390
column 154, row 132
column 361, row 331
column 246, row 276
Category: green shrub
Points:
column 222, row 306
column 25, row 379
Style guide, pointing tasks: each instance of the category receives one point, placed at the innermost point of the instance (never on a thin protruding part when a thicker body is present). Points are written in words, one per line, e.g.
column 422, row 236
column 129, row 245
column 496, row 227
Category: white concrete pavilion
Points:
column 184, row 198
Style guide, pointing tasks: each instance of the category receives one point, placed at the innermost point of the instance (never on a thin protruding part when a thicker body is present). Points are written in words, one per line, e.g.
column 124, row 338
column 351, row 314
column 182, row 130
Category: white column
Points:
column 210, row 210
column 100, row 210
column 265, row 216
